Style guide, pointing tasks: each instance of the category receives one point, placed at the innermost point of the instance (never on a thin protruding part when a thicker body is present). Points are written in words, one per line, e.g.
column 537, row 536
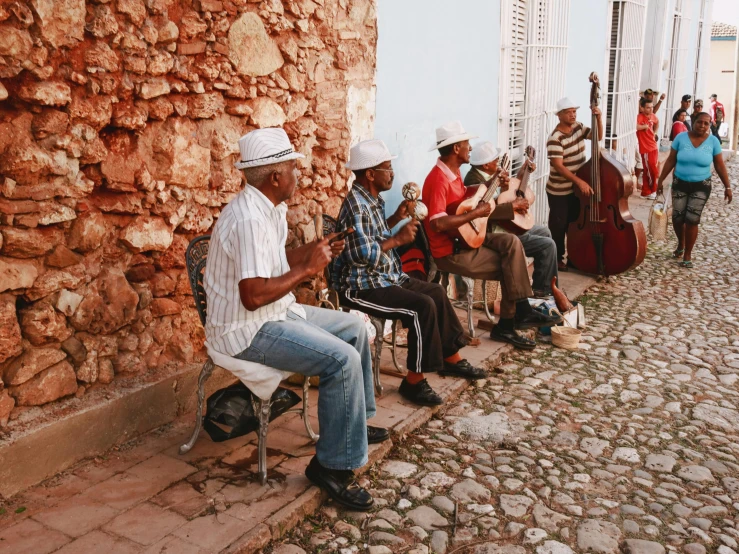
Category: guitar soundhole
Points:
column 619, row 226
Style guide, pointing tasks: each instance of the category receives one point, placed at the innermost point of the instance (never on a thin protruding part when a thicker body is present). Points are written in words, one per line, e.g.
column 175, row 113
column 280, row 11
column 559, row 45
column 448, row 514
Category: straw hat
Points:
column 451, row 133
column 265, row 147
column 368, row 153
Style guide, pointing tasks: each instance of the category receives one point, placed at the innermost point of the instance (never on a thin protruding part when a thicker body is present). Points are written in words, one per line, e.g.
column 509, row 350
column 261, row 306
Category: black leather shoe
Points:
column 511, row 337
column 420, row 393
column 341, row 485
column 463, row 368
column 377, row 434
column 537, row 319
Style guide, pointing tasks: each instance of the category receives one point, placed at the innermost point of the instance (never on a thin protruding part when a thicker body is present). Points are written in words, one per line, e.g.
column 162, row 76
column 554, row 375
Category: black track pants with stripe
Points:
column 434, row 330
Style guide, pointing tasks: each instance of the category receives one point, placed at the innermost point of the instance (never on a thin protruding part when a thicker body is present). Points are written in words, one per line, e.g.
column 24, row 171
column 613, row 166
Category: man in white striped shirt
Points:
column 253, row 315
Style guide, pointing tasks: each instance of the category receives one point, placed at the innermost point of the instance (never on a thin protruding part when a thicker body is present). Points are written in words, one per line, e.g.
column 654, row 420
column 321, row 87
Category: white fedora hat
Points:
column 368, row 153
column 565, row 104
column 483, row 153
column 451, row 133
column 265, row 147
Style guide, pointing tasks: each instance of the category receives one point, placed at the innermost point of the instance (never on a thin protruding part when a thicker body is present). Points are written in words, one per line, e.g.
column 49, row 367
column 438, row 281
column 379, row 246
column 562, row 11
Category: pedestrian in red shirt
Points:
column 717, row 116
column 645, row 125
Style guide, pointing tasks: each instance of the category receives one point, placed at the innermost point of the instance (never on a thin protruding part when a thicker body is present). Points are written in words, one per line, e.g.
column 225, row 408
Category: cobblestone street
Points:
column 630, row 443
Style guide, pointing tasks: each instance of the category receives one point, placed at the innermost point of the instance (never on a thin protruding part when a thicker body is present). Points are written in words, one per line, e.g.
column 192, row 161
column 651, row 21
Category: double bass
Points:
column 605, row 239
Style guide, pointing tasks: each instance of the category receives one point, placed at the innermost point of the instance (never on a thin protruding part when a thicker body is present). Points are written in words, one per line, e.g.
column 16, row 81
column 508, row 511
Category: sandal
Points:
column 678, row 253
column 686, row 263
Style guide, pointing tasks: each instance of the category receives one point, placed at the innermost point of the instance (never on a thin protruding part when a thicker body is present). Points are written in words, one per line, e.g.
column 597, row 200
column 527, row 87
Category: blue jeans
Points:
column 538, row 244
column 334, row 346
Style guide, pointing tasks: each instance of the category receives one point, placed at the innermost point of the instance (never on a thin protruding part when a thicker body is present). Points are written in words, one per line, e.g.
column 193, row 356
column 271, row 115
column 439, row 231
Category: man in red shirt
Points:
column 717, row 115
column 500, row 258
column 645, row 125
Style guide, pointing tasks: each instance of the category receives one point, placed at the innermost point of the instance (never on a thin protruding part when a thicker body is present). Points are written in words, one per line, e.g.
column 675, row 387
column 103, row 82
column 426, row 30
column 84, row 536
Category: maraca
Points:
column 416, row 208
column 411, row 191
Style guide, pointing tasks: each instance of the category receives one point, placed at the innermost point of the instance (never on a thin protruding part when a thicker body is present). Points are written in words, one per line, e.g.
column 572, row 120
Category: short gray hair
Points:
column 255, row 176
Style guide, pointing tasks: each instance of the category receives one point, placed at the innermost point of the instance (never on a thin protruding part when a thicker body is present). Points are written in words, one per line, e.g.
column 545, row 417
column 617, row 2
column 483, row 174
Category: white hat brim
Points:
column 485, row 160
column 452, row 140
column 568, row 108
column 269, row 161
column 356, row 167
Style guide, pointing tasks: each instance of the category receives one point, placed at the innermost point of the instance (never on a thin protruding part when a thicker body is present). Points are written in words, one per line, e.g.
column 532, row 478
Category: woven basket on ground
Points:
column 566, row 337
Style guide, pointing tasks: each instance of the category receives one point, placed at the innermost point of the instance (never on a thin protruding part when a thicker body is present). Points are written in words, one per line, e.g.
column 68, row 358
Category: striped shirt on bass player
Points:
column 571, row 148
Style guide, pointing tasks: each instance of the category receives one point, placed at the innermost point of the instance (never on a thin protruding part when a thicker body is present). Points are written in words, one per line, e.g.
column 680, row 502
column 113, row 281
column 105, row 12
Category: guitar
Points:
column 520, row 189
column 472, row 234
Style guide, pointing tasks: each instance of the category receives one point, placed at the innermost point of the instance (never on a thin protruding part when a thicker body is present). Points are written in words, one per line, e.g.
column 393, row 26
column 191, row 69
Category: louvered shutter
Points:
column 533, row 69
column 621, row 89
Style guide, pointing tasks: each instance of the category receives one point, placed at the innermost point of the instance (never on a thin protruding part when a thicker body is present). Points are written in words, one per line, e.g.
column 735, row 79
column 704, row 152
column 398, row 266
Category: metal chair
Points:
column 470, row 301
column 195, row 258
column 330, row 298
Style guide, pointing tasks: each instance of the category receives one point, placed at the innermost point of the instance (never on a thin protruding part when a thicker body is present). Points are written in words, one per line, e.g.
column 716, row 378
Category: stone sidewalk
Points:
column 627, row 445
column 144, row 497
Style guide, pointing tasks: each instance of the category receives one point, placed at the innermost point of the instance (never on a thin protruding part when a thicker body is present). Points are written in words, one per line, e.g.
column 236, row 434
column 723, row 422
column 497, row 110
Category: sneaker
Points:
column 420, row 393
column 463, row 368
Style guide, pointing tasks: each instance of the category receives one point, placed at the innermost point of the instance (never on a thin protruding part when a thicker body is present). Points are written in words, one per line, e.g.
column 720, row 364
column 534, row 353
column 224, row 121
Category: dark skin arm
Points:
column 670, row 164
column 718, row 163
column 451, row 222
column 558, row 164
column 309, row 260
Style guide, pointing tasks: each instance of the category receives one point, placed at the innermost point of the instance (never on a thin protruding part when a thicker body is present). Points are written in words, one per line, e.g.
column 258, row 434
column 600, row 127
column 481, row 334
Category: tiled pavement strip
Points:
column 145, row 497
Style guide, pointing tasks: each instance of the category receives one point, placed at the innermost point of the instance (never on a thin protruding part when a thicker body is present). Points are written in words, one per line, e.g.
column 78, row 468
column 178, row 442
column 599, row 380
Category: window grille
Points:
column 699, row 78
column 676, row 74
column 624, row 58
column 532, row 77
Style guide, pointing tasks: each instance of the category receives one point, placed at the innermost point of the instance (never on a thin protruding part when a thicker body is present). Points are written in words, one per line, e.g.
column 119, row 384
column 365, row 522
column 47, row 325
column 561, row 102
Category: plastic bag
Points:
column 233, row 407
column 660, row 215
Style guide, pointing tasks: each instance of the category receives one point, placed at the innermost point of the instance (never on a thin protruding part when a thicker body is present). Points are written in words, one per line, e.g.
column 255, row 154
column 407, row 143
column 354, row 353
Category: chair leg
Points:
column 306, row 420
column 262, row 408
column 470, row 283
column 379, row 325
column 395, row 340
column 485, row 302
column 205, row 373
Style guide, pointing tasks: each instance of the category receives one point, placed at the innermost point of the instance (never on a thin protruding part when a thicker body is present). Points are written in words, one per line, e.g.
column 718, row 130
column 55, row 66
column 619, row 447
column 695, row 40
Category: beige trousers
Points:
column 500, row 258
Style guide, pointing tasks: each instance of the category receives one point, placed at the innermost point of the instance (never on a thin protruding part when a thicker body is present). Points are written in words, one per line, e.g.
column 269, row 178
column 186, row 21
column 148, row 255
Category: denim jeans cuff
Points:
column 363, row 463
column 371, row 414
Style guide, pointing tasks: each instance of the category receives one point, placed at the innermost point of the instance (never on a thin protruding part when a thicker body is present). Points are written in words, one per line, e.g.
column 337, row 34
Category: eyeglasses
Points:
column 382, row 169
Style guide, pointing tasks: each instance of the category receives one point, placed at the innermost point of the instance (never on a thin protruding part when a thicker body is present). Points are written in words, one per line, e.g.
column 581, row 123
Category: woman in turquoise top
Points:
column 691, row 157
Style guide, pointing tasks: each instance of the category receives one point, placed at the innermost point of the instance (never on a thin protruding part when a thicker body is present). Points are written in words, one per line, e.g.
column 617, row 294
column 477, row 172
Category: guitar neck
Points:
column 492, row 187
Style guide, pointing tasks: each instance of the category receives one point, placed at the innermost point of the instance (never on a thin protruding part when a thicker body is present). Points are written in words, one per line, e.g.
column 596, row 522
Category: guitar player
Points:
column 500, row 258
column 537, row 242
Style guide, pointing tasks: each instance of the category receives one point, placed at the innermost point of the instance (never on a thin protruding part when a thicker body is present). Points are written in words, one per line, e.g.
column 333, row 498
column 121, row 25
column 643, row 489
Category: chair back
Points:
column 329, row 224
column 196, row 256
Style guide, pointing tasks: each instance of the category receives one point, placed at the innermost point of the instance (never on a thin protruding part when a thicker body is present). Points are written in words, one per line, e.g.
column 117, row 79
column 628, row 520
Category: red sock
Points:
column 454, row 358
column 414, row 378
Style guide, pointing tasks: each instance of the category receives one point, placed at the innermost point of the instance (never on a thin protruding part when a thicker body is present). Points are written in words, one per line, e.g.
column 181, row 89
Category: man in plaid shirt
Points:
column 369, row 277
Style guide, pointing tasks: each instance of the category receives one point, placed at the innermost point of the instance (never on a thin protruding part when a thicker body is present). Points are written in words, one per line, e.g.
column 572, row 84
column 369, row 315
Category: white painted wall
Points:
column 586, row 52
column 436, row 61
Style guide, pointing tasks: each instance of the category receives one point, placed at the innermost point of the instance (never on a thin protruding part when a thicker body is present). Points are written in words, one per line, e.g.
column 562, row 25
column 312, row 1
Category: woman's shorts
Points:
column 688, row 200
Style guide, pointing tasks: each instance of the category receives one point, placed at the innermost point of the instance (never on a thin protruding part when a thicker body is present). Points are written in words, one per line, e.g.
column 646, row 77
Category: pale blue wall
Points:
column 587, row 52
column 436, row 61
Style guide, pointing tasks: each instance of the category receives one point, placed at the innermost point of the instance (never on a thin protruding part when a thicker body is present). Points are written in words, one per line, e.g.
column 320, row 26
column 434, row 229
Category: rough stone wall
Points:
column 118, row 129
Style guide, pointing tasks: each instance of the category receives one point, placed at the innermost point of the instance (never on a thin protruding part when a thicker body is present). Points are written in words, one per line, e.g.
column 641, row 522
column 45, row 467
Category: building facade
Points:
column 722, row 75
column 499, row 67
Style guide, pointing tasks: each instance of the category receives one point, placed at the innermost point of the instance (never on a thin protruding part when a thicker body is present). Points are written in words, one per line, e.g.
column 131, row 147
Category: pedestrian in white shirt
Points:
column 253, row 315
